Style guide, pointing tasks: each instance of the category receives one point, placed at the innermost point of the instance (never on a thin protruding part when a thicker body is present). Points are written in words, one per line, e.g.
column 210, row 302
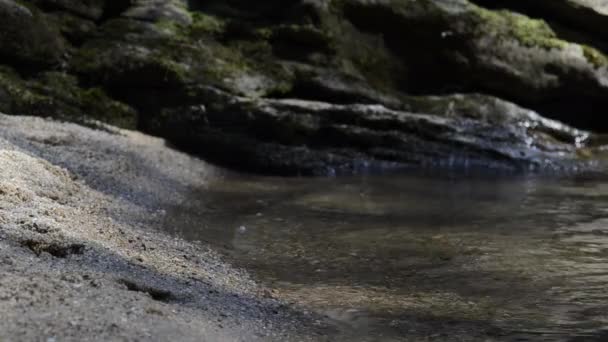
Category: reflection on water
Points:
column 419, row 257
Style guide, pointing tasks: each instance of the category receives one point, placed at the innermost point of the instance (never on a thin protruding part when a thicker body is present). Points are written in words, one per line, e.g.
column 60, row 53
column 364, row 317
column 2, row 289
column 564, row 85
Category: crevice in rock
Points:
column 311, row 91
column 58, row 250
column 155, row 293
column 267, row 11
column 114, row 8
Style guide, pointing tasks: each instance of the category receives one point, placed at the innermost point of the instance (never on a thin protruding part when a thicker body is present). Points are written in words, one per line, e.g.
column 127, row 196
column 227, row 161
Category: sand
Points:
column 82, row 257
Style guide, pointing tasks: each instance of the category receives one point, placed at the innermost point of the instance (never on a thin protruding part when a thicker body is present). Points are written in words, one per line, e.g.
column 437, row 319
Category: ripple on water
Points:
column 418, row 257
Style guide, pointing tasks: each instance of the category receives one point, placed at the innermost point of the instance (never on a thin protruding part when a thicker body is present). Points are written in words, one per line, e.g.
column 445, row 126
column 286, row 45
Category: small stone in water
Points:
column 242, row 229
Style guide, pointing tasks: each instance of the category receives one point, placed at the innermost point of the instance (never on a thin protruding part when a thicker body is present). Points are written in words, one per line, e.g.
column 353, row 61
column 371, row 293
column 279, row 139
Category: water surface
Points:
column 441, row 257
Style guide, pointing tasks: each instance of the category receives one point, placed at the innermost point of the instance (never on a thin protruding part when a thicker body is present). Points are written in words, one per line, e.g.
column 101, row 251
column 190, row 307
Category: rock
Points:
column 27, row 38
column 224, row 70
column 466, row 47
column 133, row 57
column 58, row 94
column 160, row 10
column 89, row 9
column 75, row 29
column 119, row 63
column 327, row 85
column 317, row 138
column 589, row 16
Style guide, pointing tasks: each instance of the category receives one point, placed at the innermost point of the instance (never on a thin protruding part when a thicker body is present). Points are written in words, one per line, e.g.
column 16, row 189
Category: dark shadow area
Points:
column 115, row 8
column 260, row 11
column 213, row 303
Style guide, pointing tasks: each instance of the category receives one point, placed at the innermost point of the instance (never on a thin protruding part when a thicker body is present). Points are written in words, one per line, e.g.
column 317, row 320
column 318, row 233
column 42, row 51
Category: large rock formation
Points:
column 306, row 137
column 303, row 86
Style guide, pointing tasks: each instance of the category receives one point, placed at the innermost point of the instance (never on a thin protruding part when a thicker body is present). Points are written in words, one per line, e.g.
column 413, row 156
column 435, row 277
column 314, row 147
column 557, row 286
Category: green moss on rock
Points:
column 205, row 24
column 594, row 56
column 28, row 37
column 17, row 98
column 115, row 63
column 58, row 95
column 527, row 31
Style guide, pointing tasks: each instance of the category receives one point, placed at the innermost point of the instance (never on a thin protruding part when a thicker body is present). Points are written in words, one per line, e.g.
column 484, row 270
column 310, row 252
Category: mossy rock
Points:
column 17, row 98
column 75, row 29
column 205, row 25
column 508, row 25
column 170, row 55
column 28, row 38
column 88, row 9
column 345, row 61
column 83, row 103
column 128, row 53
column 118, row 64
column 595, row 57
column 58, row 95
column 155, row 11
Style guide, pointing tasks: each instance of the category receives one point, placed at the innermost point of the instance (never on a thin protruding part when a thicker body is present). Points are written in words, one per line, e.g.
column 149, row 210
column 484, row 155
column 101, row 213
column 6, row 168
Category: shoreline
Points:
column 81, row 258
column 93, row 246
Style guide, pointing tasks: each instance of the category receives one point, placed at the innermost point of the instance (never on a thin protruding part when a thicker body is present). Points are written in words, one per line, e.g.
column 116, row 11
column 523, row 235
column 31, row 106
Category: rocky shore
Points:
column 102, row 93
column 318, row 86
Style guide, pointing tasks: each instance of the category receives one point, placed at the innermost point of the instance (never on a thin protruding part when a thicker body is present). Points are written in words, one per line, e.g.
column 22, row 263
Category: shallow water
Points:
column 442, row 257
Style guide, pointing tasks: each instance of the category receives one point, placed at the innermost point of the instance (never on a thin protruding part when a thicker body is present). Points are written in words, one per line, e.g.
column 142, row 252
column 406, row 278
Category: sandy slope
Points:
column 79, row 256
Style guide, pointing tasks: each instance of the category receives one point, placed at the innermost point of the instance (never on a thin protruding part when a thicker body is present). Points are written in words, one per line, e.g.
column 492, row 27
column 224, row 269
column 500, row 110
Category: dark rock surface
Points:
column 317, row 138
column 296, row 87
